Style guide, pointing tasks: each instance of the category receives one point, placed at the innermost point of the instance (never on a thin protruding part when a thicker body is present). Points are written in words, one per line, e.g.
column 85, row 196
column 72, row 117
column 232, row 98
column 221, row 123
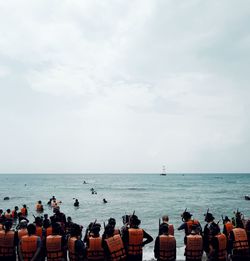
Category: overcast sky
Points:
column 124, row 86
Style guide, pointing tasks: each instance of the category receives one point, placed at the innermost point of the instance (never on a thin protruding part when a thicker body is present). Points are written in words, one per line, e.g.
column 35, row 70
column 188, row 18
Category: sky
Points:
column 115, row 86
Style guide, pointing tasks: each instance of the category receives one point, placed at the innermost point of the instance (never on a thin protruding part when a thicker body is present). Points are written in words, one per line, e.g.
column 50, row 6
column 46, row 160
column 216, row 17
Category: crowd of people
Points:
column 58, row 238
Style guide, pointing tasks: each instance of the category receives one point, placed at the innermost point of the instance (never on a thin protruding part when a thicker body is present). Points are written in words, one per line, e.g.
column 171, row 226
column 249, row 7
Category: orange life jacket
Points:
column 7, row 243
column 48, row 231
column 222, row 251
column 171, row 229
column 190, row 223
column 39, row 231
column 28, row 246
column 194, row 247
column 1, row 227
column 116, row 248
column 54, row 248
column 71, row 248
column 95, row 250
column 135, row 240
column 167, row 246
column 240, row 239
column 229, row 227
column 13, row 214
column 39, row 207
column 24, row 211
column 22, row 232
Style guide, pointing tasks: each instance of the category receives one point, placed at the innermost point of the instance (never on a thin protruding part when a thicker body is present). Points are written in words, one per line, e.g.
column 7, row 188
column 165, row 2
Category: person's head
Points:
column 23, row 223
column 112, row 222
column 109, row 230
column 7, row 225
column 46, row 216
column 165, row 218
column 69, row 219
column 163, row 229
column 31, row 229
column 226, row 219
column 56, row 210
column 56, row 228
column 38, row 221
column 186, row 216
column 39, row 202
column 24, row 206
column 75, row 230
column 8, row 211
column 1, row 211
column 96, row 229
column 125, row 219
column 214, row 229
column 209, row 217
column 16, row 208
column 134, row 221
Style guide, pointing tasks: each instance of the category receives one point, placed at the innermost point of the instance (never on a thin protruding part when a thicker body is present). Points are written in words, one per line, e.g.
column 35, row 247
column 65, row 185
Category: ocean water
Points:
column 149, row 195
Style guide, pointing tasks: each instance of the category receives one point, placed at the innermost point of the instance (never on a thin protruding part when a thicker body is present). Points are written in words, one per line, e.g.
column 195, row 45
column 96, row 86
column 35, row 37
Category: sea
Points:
column 149, row 196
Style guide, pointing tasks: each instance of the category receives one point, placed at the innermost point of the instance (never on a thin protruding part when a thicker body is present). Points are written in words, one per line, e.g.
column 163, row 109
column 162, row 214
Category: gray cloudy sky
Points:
column 124, row 86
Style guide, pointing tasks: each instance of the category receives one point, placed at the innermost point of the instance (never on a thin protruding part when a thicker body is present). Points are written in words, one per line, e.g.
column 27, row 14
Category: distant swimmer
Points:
column 84, row 182
column 105, row 201
column 6, row 198
column 39, row 206
column 76, row 203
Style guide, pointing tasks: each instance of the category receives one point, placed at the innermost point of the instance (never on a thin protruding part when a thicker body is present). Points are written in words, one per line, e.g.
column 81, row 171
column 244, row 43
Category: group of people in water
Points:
column 58, row 238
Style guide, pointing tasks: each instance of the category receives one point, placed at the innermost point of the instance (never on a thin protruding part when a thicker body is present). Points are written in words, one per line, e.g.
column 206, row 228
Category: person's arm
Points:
column 182, row 226
column 156, row 248
column 148, row 238
column 39, row 246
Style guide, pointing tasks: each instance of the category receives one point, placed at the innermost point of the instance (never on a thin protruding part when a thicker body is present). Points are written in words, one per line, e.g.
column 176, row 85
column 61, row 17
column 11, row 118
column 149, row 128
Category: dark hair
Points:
column 31, row 229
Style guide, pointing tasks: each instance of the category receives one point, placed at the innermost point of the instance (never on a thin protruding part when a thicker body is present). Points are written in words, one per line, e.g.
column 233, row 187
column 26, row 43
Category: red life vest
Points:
column 95, row 250
column 7, row 244
column 39, row 231
column 190, row 223
column 135, row 237
column 229, row 227
column 167, row 246
column 222, row 242
column 71, row 248
column 116, row 248
column 22, row 232
column 28, row 246
column 194, row 247
column 240, row 239
column 54, row 248
column 24, row 211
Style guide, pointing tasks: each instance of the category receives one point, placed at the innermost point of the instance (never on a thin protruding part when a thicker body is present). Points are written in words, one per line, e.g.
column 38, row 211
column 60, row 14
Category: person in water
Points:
column 165, row 221
column 188, row 222
column 105, row 201
column 133, row 239
column 76, row 203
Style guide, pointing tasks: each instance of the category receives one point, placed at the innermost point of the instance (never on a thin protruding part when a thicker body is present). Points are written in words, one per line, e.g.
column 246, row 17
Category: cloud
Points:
column 136, row 83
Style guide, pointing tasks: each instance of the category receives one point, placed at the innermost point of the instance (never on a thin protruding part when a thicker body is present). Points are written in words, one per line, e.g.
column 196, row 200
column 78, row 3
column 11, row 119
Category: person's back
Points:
column 7, row 243
column 165, row 220
column 165, row 245
column 114, row 248
column 29, row 245
column 133, row 239
column 55, row 244
column 219, row 247
column 22, row 231
column 194, row 247
column 95, row 250
column 238, row 243
column 75, row 244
